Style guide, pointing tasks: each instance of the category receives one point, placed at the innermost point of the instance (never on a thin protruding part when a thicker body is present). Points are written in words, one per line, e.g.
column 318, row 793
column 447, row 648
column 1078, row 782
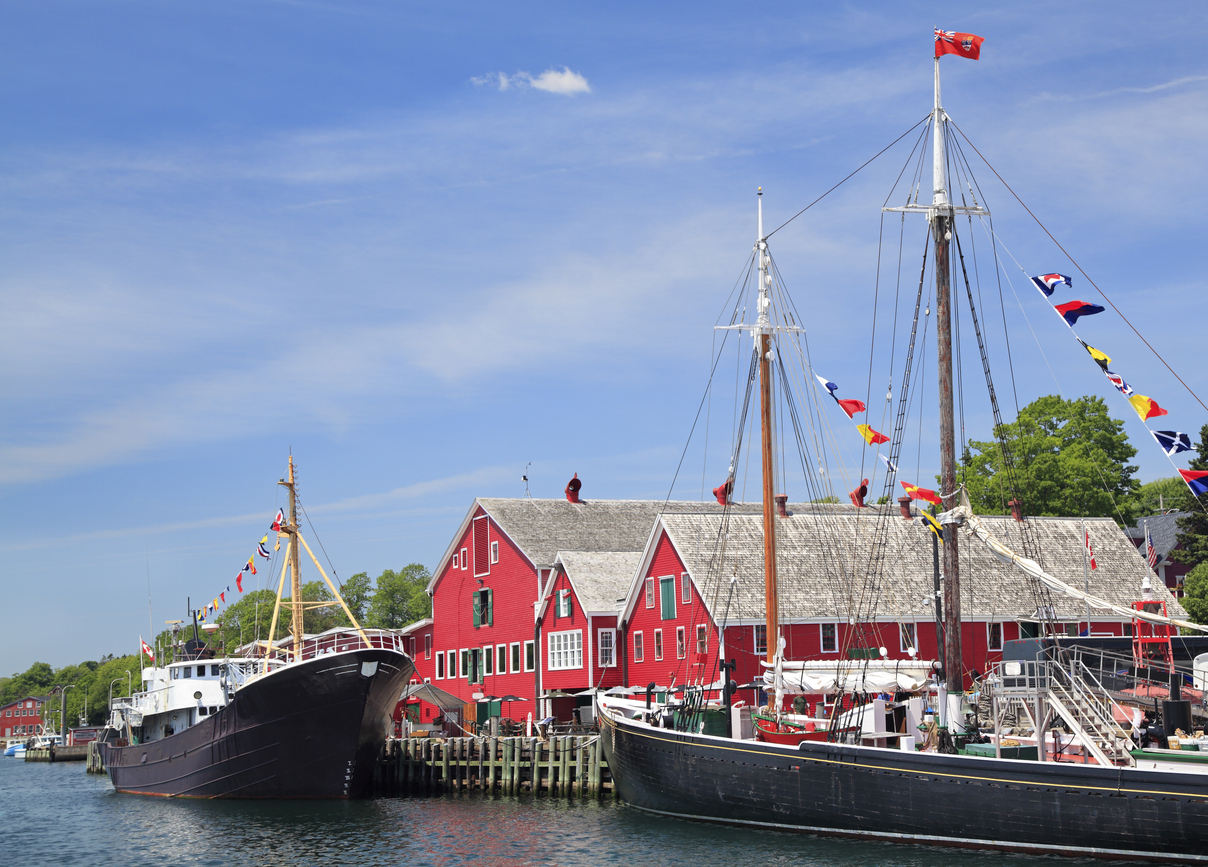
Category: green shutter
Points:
column 490, row 594
column 476, row 604
column 667, row 595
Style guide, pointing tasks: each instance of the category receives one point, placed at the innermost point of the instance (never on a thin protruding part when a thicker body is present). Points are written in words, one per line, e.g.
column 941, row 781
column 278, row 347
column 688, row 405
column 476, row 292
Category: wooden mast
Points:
column 763, row 339
column 295, row 580
column 941, row 228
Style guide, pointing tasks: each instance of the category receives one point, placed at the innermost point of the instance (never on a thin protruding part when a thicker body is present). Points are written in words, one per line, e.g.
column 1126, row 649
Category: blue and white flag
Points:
column 1046, row 283
column 1172, row 442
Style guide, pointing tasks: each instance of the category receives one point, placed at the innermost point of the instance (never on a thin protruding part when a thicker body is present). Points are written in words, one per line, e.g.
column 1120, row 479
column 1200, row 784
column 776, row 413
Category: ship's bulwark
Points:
column 900, row 796
column 311, row 730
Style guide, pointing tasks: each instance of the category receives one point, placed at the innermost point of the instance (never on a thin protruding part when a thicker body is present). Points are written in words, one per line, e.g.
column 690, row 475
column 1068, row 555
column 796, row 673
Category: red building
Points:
column 699, row 590
column 21, row 718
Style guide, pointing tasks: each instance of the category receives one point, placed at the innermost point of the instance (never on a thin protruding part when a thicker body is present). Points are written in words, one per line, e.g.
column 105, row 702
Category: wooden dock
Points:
column 58, row 754
column 569, row 766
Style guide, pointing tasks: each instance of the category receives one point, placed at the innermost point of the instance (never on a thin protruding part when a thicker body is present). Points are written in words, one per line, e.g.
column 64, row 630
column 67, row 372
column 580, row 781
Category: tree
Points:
column 1193, row 527
column 357, row 591
column 248, row 620
column 1070, row 457
column 1161, row 495
column 401, row 597
column 1195, row 593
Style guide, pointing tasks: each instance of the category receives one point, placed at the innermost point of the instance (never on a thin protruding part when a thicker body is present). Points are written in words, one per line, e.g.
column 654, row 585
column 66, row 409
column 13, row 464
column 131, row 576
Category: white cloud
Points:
column 564, row 82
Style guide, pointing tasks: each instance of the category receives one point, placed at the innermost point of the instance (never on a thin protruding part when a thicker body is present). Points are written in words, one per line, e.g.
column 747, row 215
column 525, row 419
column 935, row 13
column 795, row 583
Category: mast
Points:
column 295, row 580
column 941, row 227
column 763, row 339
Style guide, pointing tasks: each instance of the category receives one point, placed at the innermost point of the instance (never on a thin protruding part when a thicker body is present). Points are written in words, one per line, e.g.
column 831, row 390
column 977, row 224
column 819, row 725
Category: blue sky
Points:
column 423, row 245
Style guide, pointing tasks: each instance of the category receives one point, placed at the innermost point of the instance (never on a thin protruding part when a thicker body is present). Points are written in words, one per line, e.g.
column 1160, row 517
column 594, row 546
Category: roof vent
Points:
column 858, row 495
column 782, row 505
column 723, row 491
column 1016, row 510
column 572, row 489
column 904, row 505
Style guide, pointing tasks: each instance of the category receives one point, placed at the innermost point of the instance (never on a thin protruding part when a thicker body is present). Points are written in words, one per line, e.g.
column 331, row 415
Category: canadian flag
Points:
column 147, row 649
column 960, row 44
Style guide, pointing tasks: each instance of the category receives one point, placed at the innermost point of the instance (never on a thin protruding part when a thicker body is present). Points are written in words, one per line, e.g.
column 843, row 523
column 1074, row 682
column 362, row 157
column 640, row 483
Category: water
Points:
column 57, row 814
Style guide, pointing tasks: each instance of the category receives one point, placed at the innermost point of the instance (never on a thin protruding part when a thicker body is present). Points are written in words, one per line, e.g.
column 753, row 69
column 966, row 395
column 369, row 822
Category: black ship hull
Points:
column 309, row 730
column 954, row 800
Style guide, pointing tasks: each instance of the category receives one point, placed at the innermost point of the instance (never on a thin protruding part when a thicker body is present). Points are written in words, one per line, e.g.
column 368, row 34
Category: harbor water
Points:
column 58, row 815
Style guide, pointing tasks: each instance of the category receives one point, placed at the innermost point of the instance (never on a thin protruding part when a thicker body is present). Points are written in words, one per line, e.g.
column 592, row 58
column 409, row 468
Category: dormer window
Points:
column 564, row 608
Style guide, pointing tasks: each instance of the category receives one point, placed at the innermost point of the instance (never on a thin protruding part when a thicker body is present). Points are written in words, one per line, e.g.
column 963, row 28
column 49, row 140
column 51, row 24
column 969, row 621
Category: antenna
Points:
column 524, row 478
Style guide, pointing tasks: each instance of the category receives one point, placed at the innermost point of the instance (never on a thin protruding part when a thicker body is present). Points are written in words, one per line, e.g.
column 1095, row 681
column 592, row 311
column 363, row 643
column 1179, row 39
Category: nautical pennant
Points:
column 892, row 467
column 1071, row 310
column 1118, row 381
column 250, row 566
column 1101, row 358
column 1146, row 407
column 871, row 436
column 1195, row 480
column 239, row 581
column 933, row 525
column 278, row 521
column 1089, row 550
column 960, row 44
column 850, row 406
column 1046, row 283
column 262, row 550
column 222, row 596
column 917, row 493
column 1172, row 441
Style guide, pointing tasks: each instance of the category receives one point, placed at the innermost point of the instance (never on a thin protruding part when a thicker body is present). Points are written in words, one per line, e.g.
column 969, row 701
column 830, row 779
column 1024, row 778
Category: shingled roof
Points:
column 826, row 554
column 601, row 578
column 1164, row 530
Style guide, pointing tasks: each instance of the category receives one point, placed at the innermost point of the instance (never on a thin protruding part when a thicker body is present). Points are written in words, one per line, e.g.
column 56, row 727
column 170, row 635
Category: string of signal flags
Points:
column 249, row 568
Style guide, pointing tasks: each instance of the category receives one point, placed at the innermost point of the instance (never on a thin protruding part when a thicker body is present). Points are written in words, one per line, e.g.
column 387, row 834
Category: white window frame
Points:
column 451, row 664
column 702, row 638
column 465, row 559
column 989, row 633
column 759, row 651
column 488, row 660
column 658, row 645
column 530, row 655
column 565, row 650
column 606, row 639
column 650, row 593
column 681, row 642
column 494, row 552
column 564, row 602
column 515, row 658
column 639, row 647
column 663, row 579
column 463, row 656
column 427, row 645
column 685, row 589
column 822, row 637
column 440, row 666
column 501, row 659
column 912, row 629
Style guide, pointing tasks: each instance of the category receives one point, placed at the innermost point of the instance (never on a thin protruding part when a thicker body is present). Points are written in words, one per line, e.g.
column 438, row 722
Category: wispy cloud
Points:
column 563, row 81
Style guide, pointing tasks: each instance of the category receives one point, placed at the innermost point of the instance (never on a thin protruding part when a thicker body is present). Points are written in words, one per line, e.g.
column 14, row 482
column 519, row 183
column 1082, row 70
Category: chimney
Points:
column 858, row 495
column 782, row 505
column 722, row 492
column 904, row 505
column 1016, row 510
column 572, row 489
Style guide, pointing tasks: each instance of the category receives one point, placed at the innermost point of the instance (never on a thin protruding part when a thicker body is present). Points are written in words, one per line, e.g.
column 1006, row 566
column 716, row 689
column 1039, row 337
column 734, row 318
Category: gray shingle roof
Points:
column 826, row 554
column 600, row 578
column 1163, row 528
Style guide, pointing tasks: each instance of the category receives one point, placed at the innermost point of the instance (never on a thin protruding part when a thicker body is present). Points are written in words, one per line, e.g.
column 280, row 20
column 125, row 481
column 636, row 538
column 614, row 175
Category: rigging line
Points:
column 846, row 179
column 1157, row 354
column 315, row 533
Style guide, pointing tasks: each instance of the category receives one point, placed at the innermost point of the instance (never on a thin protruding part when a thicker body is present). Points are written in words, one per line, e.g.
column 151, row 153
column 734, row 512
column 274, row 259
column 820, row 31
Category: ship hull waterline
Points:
column 899, row 796
column 313, row 729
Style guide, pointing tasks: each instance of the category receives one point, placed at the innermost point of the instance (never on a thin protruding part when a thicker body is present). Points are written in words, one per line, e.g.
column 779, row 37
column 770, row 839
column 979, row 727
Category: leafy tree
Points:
column 401, row 597
column 1193, row 527
column 1161, row 495
column 1071, row 460
column 357, row 591
column 1195, row 593
column 248, row 620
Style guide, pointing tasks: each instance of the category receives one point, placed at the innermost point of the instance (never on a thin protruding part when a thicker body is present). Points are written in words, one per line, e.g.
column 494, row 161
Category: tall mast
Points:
column 295, row 581
column 763, row 339
column 941, row 227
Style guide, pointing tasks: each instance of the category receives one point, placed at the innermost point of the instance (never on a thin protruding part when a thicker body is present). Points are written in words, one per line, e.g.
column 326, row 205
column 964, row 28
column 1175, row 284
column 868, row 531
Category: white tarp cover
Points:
column 873, row 675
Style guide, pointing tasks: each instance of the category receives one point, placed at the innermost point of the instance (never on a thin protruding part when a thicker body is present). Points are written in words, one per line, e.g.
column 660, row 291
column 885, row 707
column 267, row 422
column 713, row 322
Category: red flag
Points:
column 1090, row 550
column 917, row 493
column 871, row 436
column 851, row 406
column 960, row 44
column 147, row 649
column 239, row 581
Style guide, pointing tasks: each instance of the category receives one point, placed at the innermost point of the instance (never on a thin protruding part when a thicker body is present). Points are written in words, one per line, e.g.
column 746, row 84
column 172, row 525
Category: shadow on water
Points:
column 56, row 814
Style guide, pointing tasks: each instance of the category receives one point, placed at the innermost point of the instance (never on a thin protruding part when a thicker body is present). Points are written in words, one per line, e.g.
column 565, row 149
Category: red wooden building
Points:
column 21, row 718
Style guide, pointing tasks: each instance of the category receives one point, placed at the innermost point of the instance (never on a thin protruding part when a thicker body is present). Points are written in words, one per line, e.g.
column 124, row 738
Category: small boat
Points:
column 306, row 719
column 16, row 750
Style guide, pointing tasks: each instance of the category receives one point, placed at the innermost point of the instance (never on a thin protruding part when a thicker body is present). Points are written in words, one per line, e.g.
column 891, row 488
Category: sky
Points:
column 431, row 247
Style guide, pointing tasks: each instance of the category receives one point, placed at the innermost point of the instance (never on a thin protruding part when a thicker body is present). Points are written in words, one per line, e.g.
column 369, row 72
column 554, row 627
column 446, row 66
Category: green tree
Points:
column 1195, row 593
column 401, row 597
column 1161, row 495
column 1071, row 460
column 357, row 591
column 1193, row 527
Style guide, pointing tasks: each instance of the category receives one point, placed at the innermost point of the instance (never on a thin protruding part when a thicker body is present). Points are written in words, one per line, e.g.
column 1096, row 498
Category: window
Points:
column 188, row 669
column 530, row 655
column 465, row 560
column 830, row 639
column 475, row 665
column 649, row 592
column 658, row 644
column 667, row 598
column 565, row 650
column 201, row 671
column 452, row 664
column 410, row 646
column 465, row 664
column 906, row 637
column 761, row 640
column 482, row 565
column 516, row 657
column 482, row 603
column 685, row 589
column 994, row 636
column 564, row 604
column 680, row 649
column 501, row 659
column 213, row 671
column 488, row 660
column 702, row 638
column 494, row 552
column 428, row 646
column 606, row 639
column 440, row 666
column 639, row 652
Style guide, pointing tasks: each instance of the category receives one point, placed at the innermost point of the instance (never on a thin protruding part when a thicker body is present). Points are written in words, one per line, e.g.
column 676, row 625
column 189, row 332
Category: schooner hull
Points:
column 309, row 730
column 834, row 789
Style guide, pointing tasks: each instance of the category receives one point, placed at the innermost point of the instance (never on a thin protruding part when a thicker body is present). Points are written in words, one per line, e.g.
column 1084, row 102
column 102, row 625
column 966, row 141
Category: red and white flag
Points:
column 278, row 521
column 960, row 44
column 1089, row 550
column 147, row 649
